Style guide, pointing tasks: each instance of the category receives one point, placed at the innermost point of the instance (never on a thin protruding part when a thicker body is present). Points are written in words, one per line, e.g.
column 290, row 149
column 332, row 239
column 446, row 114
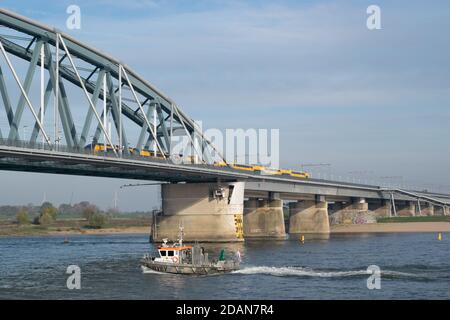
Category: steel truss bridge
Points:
column 64, row 78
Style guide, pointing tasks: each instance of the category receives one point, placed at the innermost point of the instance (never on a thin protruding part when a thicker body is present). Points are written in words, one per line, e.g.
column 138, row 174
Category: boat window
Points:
column 163, row 253
column 170, row 253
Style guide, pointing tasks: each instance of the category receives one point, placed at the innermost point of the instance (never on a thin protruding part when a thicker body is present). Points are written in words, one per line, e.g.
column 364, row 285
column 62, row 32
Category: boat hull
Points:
column 179, row 268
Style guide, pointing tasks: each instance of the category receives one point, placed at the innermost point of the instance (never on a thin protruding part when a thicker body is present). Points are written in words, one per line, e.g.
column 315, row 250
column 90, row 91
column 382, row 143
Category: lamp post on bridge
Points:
column 315, row 165
column 23, row 132
column 392, row 179
column 303, row 166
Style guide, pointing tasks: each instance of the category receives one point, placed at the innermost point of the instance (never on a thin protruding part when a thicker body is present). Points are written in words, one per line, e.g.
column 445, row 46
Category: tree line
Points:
column 47, row 213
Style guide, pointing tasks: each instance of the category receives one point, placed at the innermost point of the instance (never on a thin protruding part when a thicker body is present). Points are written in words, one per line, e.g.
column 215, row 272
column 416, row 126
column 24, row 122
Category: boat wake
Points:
column 308, row 272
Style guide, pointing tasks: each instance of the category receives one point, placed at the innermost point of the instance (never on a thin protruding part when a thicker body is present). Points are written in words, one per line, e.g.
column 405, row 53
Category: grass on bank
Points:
column 414, row 219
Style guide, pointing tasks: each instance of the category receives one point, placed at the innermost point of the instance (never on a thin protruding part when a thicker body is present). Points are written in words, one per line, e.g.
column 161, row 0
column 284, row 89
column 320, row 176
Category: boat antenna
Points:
column 181, row 228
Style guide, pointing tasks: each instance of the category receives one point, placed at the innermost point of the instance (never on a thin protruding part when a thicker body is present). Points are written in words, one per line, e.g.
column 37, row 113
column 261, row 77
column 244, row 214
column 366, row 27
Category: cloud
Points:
column 277, row 55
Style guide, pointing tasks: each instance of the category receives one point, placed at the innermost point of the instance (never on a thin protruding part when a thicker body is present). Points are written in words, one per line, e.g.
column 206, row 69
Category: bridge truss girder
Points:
column 102, row 79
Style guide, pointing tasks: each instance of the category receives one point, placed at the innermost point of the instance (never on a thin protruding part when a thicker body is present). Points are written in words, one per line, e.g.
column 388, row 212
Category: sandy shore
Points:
column 122, row 230
column 354, row 228
column 393, row 227
column 347, row 228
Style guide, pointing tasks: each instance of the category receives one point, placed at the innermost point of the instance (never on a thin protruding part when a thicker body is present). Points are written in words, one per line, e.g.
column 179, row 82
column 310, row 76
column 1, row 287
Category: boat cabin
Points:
column 174, row 254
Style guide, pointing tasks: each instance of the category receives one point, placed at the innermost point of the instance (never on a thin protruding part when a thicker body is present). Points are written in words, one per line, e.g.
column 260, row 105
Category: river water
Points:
column 413, row 266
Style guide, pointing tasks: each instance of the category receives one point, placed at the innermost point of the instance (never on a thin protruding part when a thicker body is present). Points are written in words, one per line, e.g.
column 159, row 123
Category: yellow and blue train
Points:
column 264, row 170
column 241, row 167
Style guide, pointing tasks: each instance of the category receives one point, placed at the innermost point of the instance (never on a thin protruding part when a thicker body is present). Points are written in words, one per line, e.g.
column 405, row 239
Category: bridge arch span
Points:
column 156, row 119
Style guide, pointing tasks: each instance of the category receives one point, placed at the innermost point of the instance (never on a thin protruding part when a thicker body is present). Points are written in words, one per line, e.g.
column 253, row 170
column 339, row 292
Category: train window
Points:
column 163, row 253
column 243, row 166
column 170, row 253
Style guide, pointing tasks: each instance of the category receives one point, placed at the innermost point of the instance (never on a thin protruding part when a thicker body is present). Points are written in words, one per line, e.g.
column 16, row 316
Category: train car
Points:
column 272, row 171
column 258, row 168
column 148, row 153
column 245, row 167
column 298, row 174
column 101, row 148
column 145, row 153
column 264, row 170
column 188, row 159
column 221, row 164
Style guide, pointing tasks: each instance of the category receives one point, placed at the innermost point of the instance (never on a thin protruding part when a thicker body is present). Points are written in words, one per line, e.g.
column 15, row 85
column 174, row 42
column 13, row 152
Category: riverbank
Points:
column 74, row 227
column 392, row 227
column 117, row 230
column 135, row 227
column 27, row 231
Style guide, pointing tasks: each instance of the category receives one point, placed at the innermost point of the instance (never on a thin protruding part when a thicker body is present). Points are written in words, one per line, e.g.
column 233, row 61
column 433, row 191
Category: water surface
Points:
column 413, row 266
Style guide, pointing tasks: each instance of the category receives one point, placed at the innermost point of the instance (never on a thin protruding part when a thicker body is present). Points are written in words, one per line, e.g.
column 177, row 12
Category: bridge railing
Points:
column 88, row 150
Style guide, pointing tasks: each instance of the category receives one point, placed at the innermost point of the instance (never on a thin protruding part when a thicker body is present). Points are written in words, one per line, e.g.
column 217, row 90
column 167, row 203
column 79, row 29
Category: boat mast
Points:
column 181, row 234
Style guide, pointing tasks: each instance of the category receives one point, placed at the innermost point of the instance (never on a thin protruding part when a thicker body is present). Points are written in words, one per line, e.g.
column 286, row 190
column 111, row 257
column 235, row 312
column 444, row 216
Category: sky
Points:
column 374, row 104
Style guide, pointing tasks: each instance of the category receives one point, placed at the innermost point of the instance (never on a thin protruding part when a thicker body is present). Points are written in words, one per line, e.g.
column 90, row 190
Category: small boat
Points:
column 185, row 259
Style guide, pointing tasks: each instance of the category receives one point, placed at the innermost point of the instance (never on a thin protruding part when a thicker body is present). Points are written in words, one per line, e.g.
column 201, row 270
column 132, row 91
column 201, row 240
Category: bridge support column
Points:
column 427, row 209
column 381, row 208
column 441, row 211
column 209, row 212
column 348, row 213
column 360, row 204
column 264, row 219
column 407, row 210
column 308, row 217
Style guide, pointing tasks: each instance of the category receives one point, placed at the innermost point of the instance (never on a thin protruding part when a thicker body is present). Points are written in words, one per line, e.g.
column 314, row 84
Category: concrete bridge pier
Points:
column 360, row 204
column 308, row 217
column 382, row 208
column 441, row 211
column 406, row 209
column 346, row 212
column 209, row 212
column 264, row 219
column 427, row 209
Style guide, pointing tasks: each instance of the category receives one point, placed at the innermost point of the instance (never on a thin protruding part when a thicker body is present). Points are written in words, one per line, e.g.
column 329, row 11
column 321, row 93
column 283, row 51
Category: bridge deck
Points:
column 63, row 162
